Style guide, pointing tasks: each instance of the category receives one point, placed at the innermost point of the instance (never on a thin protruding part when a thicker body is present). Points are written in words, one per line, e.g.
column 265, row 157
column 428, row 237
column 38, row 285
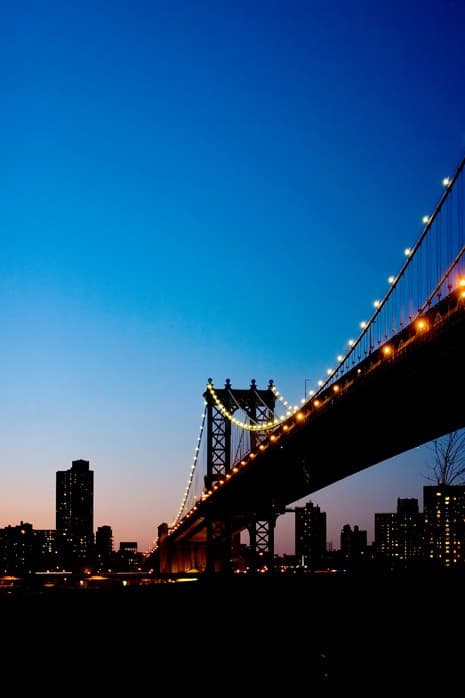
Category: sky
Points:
column 195, row 190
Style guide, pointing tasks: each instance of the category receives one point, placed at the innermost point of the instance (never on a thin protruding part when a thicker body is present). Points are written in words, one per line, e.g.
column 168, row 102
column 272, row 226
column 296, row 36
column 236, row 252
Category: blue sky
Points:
column 202, row 189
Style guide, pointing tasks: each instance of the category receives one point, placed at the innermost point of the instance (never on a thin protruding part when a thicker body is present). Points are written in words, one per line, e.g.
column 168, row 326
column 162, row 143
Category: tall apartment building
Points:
column 75, row 512
column 399, row 536
column 310, row 534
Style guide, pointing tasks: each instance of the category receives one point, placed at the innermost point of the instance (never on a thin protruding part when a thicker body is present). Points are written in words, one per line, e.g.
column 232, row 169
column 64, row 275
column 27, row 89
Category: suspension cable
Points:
column 442, row 280
column 354, row 345
column 192, row 470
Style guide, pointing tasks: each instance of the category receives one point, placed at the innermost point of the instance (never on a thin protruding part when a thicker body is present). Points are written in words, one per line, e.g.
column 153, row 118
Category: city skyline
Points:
column 407, row 535
column 150, row 150
column 73, row 482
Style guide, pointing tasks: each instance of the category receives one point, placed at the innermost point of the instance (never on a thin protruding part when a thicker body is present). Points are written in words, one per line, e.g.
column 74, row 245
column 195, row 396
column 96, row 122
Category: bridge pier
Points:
column 219, row 540
column 182, row 556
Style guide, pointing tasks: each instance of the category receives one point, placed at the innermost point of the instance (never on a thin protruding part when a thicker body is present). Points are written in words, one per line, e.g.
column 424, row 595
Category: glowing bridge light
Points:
column 391, row 279
column 376, row 303
column 387, row 350
column 407, row 251
column 336, row 388
column 351, row 342
column 421, row 325
column 425, row 219
column 311, row 392
column 329, row 371
column 340, row 358
column 300, row 416
column 320, row 383
column 317, row 403
column 363, row 324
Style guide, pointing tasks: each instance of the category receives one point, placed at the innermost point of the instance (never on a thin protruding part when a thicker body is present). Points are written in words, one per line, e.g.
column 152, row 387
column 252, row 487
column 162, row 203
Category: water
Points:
column 272, row 635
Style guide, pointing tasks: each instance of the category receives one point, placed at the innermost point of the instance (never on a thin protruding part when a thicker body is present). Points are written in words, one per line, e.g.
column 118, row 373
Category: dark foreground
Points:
column 271, row 635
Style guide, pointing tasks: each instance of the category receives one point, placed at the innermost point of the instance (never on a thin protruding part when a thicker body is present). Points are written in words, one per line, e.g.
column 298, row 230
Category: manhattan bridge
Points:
column 399, row 384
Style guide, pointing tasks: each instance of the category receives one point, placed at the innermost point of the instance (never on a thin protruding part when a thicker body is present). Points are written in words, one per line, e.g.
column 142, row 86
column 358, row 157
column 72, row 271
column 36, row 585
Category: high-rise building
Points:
column 127, row 557
column 75, row 512
column 353, row 543
column 103, row 547
column 408, row 505
column 17, row 549
column 310, row 534
column 399, row 536
column 444, row 540
column 46, row 550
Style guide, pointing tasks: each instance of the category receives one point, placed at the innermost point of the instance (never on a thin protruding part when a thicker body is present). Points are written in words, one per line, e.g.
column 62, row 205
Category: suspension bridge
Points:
column 399, row 384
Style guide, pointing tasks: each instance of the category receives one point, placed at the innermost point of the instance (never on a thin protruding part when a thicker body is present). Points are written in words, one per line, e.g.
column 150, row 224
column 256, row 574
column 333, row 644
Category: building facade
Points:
column 353, row 543
column 75, row 513
column 310, row 535
column 399, row 536
column 103, row 547
column 444, row 538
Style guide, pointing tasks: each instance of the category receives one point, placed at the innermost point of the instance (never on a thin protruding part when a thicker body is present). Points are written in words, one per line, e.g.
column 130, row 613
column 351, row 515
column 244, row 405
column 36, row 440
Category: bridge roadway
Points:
column 405, row 393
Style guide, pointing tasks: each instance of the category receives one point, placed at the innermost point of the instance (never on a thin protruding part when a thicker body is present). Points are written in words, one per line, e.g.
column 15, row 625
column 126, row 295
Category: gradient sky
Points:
column 195, row 189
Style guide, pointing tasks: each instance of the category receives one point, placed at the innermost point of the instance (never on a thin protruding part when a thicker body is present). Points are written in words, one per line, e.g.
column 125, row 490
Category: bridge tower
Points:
column 223, row 532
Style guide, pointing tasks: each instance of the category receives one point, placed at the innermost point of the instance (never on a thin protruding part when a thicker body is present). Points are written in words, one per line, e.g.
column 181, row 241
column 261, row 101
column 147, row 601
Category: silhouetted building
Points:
column 444, row 539
column 17, row 549
column 399, row 536
column 24, row 550
column 127, row 558
column 408, row 505
column 310, row 534
column 46, row 553
column 75, row 512
column 103, row 547
column 353, row 543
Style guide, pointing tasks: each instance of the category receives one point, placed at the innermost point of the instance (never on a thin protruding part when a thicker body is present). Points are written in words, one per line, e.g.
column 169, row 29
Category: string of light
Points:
column 192, row 469
column 378, row 305
column 353, row 345
column 258, row 426
column 302, row 414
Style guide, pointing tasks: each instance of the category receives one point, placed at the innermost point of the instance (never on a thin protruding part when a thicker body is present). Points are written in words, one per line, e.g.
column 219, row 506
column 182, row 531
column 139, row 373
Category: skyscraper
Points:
column 310, row 534
column 103, row 547
column 399, row 537
column 353, row 543
column 444, row 507
column 75, row 512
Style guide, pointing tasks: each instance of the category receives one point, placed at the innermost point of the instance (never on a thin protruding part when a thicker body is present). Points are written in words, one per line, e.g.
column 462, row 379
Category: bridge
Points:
column 400, row 384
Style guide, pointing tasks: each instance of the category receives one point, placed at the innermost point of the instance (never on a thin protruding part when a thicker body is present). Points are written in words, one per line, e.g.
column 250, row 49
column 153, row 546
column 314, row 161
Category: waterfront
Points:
column 268, row 632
